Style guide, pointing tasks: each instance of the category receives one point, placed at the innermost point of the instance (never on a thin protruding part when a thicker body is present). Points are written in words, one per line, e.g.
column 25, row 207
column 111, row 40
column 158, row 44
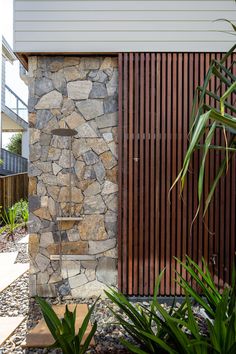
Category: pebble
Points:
column 15, row 301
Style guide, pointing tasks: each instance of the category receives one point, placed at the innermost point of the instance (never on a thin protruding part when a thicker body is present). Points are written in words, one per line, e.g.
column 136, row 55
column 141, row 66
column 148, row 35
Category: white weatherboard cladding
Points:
column 126, row 25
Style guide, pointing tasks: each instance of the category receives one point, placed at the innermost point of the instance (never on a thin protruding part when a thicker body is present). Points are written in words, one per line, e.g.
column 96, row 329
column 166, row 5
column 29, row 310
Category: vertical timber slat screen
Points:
column 155, row 98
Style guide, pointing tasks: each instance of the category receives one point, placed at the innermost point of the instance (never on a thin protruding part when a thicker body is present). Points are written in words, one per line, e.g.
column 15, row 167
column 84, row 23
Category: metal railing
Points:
column 12, row 163
column 15, row 104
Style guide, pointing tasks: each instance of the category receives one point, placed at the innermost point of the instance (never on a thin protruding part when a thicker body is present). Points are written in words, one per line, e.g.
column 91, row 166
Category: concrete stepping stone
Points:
column 40, row 336
column 11, row 273
column 7, row 326
column 25, row 239
column 7, row 258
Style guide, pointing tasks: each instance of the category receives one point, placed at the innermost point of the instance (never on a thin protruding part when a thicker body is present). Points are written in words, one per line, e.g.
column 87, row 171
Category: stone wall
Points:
column 81, row 91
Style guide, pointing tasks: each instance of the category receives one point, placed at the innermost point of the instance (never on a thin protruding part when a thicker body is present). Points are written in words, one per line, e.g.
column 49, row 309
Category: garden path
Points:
column 10, row 271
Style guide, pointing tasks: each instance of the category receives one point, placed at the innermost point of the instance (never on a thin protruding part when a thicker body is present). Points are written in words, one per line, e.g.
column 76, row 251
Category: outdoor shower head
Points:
column 64, row 132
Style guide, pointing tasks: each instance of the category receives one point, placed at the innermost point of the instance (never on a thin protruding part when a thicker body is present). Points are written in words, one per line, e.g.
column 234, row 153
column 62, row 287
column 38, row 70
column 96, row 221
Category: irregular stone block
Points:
column 51, row 100
column 77, row 281
column 107, row 270
column 42, row 278
column 86, row 131
column 53, row 191
column 107, row 120
column 92, row 228
column 59, row 81
column 99, row 90
column 90, row 108
column 63, row 288
column 97, row 75
column 42, row 262
column 69, row 248
column 89, row 63
column 73, row 235
column 108, row 137
column 43, row 213
column 35, row 152
column 93, row 288
column 98, row 145
column 79, row 169
column 114, row 148
column 72, row 73
column 94, row 205
column 79, row 147
column 93, row 189
column 56, row 168
column 112, row 85
column 74, row 120
column 108, row 63
column 111, row 202
column 34, row 135
column 100, row 171
column 46, row 239
column 42, row 86
column 68, row 107
column 34, row 203
column 89, row 173
column 96, row 247
column 71, row 61
column 112, row 175
column 46, row 290
column 32, row 186
column 110, row 104
column 79, row 90
column 109, row 188
column 70, row 269
column 76, row 197
column 33, row 246
column 111, row 223
column 112, row 253
column 108, row 160
column 90, row 158
column 64, row 160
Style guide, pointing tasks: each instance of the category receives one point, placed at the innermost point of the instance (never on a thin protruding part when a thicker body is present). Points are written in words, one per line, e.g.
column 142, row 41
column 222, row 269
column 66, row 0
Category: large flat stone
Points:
column 51, row 100
column 96, row 247
column 92, row 228
column 77, row 281
column 79, row 90
column 107, row 120
column 91, row 108
column 94, row 205
column 69, row 248
column 93, row 288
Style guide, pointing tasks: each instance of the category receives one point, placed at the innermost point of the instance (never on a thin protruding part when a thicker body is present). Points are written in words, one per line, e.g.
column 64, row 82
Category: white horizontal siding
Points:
column 113, row 26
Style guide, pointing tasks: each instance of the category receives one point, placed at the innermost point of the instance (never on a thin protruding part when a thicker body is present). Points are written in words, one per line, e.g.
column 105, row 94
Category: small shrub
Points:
column 10, row 222
column 176, row 331
column 63, row 330
column 22, row 211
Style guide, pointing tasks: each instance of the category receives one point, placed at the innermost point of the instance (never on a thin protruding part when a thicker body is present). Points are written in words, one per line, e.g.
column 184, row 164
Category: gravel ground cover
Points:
column 14, row 301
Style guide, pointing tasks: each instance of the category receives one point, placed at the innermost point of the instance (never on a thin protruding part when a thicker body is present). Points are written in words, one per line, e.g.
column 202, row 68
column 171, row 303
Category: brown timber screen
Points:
column 13, row 188
column 155, row 99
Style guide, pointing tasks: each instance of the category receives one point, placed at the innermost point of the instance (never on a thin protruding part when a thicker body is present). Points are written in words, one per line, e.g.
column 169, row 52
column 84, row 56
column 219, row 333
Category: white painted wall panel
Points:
column 122, row 25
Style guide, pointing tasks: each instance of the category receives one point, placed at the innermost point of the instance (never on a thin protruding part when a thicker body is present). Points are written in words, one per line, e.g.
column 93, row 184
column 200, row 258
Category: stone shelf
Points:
column 69, row 218
column 72, row 257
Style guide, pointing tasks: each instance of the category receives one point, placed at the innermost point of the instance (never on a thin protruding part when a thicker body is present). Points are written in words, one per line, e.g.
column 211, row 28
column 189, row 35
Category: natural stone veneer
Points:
column 81, row 92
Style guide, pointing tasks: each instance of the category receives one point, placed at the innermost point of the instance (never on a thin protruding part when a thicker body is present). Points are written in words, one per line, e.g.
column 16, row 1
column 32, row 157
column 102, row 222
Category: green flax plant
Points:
column 63, row 330
column 177, row 330
column 207, row 294
column 207, row 119
column 9, row 218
